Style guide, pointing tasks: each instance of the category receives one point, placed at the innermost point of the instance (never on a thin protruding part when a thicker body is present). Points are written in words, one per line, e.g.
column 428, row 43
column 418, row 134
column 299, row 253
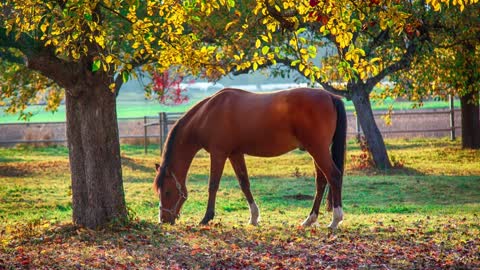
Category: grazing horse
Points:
column 233, row 122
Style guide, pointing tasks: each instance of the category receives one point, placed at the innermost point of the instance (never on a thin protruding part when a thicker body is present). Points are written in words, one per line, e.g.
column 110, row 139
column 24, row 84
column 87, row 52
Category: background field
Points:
column 424, row 214
column 127, row 109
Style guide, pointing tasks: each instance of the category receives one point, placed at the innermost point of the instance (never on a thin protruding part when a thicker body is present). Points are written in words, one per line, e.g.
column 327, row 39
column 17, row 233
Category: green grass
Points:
column 151, row 108
column 35, row 181
column 424, row 214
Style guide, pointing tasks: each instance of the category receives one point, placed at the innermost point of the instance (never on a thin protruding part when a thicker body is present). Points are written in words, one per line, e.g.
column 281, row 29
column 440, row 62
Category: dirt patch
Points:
column 299, row 197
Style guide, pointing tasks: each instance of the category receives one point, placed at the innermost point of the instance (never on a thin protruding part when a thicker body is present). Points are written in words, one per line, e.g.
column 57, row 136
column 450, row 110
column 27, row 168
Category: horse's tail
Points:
column 340, row 135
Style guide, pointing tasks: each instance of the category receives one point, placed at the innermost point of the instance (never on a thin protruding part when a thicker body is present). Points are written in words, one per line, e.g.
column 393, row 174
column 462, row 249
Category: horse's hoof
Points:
column 254, row 214
column 334, row 225
column 310, row 220
column 337, row 218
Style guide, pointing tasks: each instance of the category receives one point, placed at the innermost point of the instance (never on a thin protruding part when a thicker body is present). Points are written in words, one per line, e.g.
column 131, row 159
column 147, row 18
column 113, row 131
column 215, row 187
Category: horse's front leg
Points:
column 217, row 163
column 320, row 183
column 238, row 164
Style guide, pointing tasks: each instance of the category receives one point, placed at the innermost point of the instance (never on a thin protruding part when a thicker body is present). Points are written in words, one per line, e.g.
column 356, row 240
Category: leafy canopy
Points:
column 207, row 38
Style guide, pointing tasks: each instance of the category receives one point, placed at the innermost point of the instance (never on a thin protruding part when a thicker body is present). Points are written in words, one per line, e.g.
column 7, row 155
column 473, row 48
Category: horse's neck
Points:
column 185, row 143
column 185, row 151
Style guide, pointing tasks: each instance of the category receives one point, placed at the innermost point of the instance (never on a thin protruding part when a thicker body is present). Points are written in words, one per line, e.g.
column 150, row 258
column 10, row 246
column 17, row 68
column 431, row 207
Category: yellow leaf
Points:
column 229, row 25
column 258, row 43
column 307, row 72
column 301, row 67
column 108, row 59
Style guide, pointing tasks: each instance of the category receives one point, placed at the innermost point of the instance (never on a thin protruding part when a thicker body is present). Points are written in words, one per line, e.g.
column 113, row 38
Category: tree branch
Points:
column 403, row 63
column 379, row 39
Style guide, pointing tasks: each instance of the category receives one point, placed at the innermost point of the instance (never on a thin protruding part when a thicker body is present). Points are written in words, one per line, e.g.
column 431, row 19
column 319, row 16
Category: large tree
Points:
column 88, row 49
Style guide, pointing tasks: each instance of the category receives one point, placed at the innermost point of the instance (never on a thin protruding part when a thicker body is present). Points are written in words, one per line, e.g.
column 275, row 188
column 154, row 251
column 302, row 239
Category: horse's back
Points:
column 266, row 124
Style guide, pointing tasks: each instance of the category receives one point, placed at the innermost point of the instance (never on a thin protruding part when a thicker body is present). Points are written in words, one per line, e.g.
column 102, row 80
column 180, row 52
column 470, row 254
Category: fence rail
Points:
column 433, row 122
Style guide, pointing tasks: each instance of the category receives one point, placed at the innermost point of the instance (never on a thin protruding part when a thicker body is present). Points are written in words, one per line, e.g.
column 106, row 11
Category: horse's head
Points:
column 171, row 192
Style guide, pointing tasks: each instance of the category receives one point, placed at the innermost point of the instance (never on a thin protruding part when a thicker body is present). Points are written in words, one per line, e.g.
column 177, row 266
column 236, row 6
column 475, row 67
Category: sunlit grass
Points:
column 437, row 177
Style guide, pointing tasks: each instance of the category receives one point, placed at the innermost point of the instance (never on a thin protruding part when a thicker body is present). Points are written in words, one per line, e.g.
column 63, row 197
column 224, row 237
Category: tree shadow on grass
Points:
column 146, row 245
column 134, row 165
column 397, row 170
column 8, row 170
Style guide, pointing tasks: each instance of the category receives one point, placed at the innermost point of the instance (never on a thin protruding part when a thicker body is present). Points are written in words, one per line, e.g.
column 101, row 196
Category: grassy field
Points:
column 423, row 214
column 151, row 108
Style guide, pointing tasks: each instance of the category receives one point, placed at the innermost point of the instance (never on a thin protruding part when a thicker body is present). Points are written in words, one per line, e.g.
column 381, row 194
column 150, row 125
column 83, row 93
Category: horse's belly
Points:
column 270, row 148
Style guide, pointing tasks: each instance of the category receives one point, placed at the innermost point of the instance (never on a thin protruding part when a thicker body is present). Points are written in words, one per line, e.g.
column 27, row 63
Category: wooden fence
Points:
column 165, row 120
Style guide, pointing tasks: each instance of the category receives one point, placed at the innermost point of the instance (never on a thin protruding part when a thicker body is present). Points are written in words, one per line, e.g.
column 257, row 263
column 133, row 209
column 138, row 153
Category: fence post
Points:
column 160, row 136
column 145, row 133
column 357, row 127
column 162, row 120
column 452, row 118
column 165, row 127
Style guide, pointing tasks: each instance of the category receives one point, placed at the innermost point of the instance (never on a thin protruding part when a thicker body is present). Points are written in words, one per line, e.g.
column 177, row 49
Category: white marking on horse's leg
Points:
column 337, row 217
column 310, row 220
column 254, row 214
column 159, row 213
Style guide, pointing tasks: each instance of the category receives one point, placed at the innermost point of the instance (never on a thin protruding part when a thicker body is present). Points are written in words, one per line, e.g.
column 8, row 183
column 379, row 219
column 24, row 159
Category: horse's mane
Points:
column 168, row 147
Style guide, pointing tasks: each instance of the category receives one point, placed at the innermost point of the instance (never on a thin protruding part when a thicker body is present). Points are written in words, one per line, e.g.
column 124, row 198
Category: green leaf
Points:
column 96, row 65
column 125, row 75
column 294, row 63
column 231, row 3
column 88, row 17
column 265, row 49
column 301, row 30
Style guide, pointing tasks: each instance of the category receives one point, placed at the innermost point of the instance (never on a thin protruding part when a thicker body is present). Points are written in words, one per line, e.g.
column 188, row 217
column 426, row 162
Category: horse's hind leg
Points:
column 334, row 178
column 217, row 163
column 320, row 183
column 238, row 164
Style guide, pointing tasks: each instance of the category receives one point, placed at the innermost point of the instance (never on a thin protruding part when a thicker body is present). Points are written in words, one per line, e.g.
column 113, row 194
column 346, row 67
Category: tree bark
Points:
column 376, row 145
column 94, row 151
column 470, row 121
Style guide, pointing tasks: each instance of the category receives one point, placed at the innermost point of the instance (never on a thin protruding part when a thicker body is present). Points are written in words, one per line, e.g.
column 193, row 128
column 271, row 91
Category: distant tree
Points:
column 169, row 87
column 449, row 66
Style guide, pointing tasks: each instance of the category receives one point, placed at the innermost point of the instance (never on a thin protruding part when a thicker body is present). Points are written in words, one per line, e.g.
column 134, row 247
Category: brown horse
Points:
column 233, row 122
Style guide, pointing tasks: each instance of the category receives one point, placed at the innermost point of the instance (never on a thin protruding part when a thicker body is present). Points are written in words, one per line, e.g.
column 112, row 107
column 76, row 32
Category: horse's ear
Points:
column 157, row 166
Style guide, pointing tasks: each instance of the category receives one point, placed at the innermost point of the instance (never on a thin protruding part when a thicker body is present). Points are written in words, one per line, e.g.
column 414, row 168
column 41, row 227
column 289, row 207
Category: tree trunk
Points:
column 94, row 151
column 376, row 145
column 470, row 121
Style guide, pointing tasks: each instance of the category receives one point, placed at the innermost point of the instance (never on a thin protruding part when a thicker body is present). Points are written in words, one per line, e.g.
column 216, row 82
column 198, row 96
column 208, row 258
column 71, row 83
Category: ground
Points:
column 423, row 214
